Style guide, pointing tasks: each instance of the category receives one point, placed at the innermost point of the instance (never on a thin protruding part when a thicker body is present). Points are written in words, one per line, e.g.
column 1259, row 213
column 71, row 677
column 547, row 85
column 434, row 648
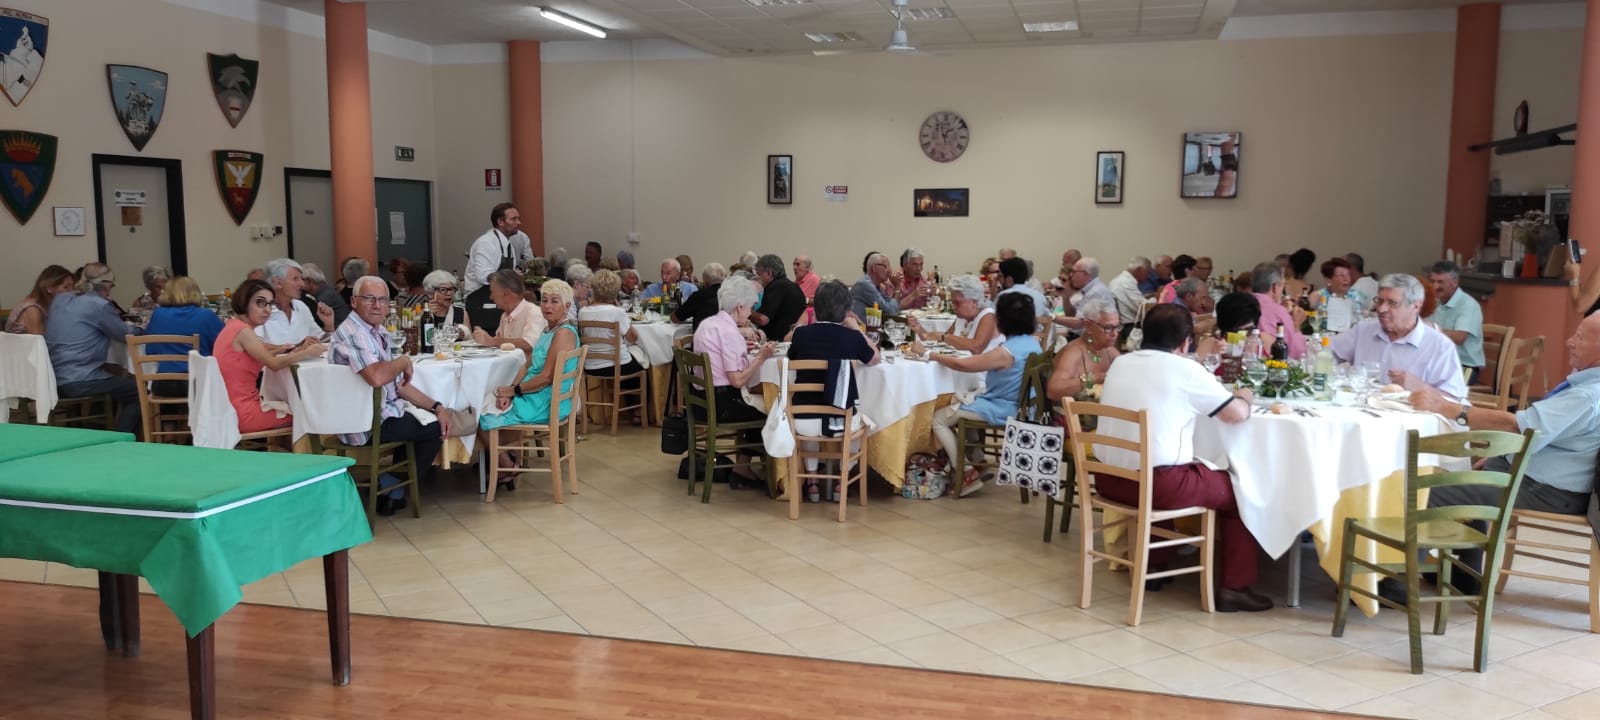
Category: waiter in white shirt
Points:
column 504, row 247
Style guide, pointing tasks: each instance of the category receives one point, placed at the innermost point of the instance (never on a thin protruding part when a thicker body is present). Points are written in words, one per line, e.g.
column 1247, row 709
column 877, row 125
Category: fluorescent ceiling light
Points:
column 927, row 13
column 1043, row 27
column 572, row 22
column 768, row 3
column 833, row 37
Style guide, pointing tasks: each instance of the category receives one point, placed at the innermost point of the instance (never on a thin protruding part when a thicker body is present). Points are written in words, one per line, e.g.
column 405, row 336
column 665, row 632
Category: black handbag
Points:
column 674, row 425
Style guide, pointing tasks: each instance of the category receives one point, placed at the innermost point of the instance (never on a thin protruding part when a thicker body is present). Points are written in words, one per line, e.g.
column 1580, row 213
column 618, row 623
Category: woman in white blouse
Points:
column 975, row 330
column 602, row 307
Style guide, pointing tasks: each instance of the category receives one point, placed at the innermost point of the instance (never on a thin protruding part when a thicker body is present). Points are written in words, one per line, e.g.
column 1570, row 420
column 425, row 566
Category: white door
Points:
column 137, row 230
column 311, row 222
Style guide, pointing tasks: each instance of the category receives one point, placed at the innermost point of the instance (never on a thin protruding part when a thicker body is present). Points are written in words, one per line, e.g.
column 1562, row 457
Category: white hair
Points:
column 749, row 258
column 735, row 291
column 369, row 280
column 353, row 269
column 579, row 273
column 313, row 273
column 1407, row 285
column 1090, row 266
column 713, row 273
column 967, row 286
column 673, row 262
column 279, row 269
column 438, row 279
column 1139, row 261
column 1096, row 305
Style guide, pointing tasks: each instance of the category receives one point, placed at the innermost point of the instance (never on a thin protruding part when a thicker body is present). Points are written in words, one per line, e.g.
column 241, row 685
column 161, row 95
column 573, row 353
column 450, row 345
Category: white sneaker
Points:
column 972, row 487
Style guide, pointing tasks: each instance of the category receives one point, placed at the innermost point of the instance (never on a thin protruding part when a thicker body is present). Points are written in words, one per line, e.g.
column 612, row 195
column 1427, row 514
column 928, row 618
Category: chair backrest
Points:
column 564, row 385
column 1032, row 403
column 685, row 342
column 1496, row 343
column 334, row 386
column 695, row 389
column 600, row 340
column 144, row 361
column 26, row 372
column 1516, row 372
column 1474, row 444
column 213, row 423
column 1082, row 442
column 795, row 386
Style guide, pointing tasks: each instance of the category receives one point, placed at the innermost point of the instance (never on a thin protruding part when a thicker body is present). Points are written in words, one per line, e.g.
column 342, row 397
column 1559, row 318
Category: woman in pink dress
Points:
column 241, row 356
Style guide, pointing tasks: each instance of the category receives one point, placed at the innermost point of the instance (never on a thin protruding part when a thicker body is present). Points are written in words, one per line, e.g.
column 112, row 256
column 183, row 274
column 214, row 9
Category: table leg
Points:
column 110, row 614
column 127, row 592
column 336, row 576
column 203, row 675
column 1296, row 555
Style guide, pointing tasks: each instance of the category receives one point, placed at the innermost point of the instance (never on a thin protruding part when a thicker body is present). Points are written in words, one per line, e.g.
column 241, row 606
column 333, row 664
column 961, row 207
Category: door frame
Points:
column 177, row 227
column 290, row 173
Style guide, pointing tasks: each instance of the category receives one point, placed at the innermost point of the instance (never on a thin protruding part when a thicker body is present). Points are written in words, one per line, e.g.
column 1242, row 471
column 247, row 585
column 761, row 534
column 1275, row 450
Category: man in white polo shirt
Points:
column 291, row 321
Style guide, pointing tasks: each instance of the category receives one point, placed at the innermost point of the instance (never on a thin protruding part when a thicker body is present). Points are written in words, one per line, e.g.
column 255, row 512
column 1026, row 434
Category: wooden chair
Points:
column 1035, row 405
column 157, row 411
column 610, row 347
column 975, row 438
column 1140, row 520
column 374, row 459
column 1515, row 380
column 707, row 437
column 852, row 469
column 1568, row 526
column 1496, row 345
column 560, row 435
column 1439, row 530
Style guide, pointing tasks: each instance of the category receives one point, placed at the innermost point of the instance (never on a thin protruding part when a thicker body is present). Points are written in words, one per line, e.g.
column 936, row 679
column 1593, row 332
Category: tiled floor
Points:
column 962, row 585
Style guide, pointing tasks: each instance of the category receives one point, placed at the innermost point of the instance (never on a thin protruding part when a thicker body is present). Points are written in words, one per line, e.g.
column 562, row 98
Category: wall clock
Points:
column 944, row 136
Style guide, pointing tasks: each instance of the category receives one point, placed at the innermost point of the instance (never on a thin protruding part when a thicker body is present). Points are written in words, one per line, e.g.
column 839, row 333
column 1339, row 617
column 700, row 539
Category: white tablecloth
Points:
column 1289, row 470
column 889, row 390
column 655, row 339
column 25, row 372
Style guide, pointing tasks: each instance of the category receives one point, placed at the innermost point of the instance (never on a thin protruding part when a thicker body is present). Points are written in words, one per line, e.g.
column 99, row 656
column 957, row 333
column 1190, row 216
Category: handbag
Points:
column 778, row 435
column 674, row 425
column 462, row 422
column 1030, row 457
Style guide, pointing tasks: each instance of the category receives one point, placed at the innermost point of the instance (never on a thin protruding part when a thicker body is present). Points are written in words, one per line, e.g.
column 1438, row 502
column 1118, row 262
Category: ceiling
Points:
column 744, row 27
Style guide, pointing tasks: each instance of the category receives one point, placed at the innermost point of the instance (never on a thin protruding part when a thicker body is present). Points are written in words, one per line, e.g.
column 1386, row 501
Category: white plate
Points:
column 1404, row 396
column 479, row 352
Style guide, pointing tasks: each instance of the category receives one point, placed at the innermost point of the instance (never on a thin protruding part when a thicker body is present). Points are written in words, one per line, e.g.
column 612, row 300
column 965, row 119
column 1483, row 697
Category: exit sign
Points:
column 405, row 154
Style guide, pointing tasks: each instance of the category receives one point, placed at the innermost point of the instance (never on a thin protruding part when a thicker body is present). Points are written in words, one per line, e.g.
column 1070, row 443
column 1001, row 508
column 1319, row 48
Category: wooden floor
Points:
column 272, row 663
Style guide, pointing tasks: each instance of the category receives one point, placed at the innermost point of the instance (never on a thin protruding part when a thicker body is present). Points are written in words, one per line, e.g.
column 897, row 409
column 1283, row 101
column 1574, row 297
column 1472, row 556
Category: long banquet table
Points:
column 198, row 524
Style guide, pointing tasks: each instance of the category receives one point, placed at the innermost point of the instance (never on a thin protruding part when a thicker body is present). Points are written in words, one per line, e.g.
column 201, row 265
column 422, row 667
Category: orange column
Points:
column 355, row 229
column 1471, row 122
column 1586, row 157
column 527, row 137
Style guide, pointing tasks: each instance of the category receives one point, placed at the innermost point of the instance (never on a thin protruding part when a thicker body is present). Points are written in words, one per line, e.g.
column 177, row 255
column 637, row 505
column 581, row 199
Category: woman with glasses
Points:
column 441, row 309
column 241, row 356
column 975, row 330
column 1083, row 363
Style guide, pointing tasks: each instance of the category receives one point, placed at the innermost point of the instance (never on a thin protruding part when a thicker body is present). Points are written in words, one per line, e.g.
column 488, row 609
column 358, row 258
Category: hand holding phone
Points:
column 1574, row 252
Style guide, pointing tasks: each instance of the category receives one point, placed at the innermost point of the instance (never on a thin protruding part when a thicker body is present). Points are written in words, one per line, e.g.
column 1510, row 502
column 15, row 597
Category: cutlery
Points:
column 1369, row 412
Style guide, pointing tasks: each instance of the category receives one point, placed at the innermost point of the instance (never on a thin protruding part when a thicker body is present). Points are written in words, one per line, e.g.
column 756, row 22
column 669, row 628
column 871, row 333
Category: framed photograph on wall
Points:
column 940, row 202
column 1210, row 165
column 1108, row 176
column 780, row 179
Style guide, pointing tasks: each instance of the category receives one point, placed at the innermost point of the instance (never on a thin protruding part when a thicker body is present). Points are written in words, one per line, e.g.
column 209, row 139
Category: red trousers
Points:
column 1178, row 486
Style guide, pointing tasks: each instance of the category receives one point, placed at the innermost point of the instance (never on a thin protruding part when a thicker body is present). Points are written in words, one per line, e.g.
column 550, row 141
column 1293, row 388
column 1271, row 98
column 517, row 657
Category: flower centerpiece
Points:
column 1284, row 380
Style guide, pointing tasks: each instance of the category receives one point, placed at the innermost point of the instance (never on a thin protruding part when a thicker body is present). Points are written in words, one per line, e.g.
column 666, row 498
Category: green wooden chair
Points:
column 1439, row 530
column 373, row 460
column 1035, row 405
column 707, row 437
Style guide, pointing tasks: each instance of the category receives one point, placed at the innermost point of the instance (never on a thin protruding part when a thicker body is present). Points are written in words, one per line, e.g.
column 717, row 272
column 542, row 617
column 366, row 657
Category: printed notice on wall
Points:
column 397, row 228
column 128, row 198
column 836, row 193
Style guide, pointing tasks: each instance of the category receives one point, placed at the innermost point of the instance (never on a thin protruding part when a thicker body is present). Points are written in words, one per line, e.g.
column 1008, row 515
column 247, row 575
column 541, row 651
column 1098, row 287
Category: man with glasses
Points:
column 1409, row 352
column 361, row 343
column 79, row 330
column 870, row 289
column 291, row 321
column 323, row 293
column 1202, row 268
column 1085, row 283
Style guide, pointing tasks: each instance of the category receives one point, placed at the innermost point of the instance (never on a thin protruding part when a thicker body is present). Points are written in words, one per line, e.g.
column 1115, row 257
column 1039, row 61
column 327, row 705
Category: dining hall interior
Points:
column 1276, row 313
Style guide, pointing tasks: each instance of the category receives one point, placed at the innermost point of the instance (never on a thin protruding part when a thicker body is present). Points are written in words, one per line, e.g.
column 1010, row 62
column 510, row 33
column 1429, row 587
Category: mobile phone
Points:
column 1574, row 251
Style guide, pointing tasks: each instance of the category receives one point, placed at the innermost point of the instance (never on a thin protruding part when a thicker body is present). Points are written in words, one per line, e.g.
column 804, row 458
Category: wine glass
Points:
column 1277, row 377
column 1211, row 361
column 1374, row 374
column 1256, row 372
column 897, row 333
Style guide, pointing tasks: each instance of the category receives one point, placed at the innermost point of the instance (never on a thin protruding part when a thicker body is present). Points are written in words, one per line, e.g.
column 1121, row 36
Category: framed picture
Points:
column 1210, row 165
column 69, row 221
column 940, row 202
column 1108, row 177
column 780, row 179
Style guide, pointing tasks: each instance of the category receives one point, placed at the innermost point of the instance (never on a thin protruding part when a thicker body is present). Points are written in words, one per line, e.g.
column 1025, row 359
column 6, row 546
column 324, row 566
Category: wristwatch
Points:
column 1461, row 417
column 435, row 407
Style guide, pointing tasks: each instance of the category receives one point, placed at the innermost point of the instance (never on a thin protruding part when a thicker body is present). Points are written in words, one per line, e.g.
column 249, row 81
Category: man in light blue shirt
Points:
column 1459, row 317
column 868, row 291
column 79, row 330
column 1409, row 352
column 1559, row 474
column 671, row 273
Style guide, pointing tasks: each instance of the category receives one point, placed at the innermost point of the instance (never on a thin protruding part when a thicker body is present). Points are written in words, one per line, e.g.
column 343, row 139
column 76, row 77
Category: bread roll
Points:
column 507, row 346
column 441, row 355
column 1281, row 409
column 1392, row 388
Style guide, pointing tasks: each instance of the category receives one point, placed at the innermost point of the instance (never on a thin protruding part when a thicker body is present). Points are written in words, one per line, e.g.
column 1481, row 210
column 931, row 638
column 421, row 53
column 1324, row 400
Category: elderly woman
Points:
column 629, row 290
column 579, row 276
column 1340, row 275
column 155, row 280
column 528, row 401
column 1084, row 361
column 703, row 304
column 441, row 310
column 603, row 308
column 1002, row 380
column 181, row 311
column 732, row 366
column 837, row 337
column 974, row 330
column 29, row 315
column 241, row 356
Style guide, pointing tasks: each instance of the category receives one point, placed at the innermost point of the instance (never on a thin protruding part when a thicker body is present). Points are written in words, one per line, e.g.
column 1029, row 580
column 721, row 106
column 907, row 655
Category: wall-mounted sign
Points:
column 405, row 154
column 836, row 193
column 491, row 178
column 128, row 198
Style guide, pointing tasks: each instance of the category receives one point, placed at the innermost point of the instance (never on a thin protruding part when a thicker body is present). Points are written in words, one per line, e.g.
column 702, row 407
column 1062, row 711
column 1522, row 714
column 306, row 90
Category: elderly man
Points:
column 1192, row 295
column 350, row 271
column 361, row 343
column 703, row 305
column 291, row 321
column 521, row 322
column 874, row 287
column 804, row 277
column 1127, row 286
column 1006, row 254
column 1085, row 283
column 782, row 302
column 1177, row 394
column 1059, row 284
column 1266, row 283
column 1154, row 281
column 79, row 330
column 1364, row 284
column 503, row 247
column 911, row 287
column 1410, row 352
column 1459, row 317
column 671, row 273
column 322, row 292
column 1559, row 476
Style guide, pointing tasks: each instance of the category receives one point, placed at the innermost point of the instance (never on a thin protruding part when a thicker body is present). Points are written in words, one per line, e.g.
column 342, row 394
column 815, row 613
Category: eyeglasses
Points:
column 372, row 299
column 1108, row 327
column 447, row 289
column 261, row 302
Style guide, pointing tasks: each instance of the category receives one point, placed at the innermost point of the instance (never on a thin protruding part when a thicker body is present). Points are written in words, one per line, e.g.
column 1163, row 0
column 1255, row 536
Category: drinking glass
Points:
column 1211, row 361
column 1374, row 374
column 897, row 333
column 1256, row 372
column 397, row 343
column 1278, row 378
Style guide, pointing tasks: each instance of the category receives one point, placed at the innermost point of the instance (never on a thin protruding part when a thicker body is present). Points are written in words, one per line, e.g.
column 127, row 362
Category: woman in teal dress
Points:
column 528, row 401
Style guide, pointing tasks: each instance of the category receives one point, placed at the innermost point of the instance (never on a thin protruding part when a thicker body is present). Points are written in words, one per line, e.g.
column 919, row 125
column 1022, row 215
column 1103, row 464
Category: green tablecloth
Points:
column 22, row 441
column 197, row 523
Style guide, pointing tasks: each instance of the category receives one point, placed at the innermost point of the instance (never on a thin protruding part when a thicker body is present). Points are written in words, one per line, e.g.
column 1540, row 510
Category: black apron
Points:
column 480, row 308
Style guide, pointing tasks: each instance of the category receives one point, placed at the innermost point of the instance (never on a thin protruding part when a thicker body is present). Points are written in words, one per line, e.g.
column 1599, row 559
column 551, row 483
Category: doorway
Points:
column 139, row 218
column 402, row 205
